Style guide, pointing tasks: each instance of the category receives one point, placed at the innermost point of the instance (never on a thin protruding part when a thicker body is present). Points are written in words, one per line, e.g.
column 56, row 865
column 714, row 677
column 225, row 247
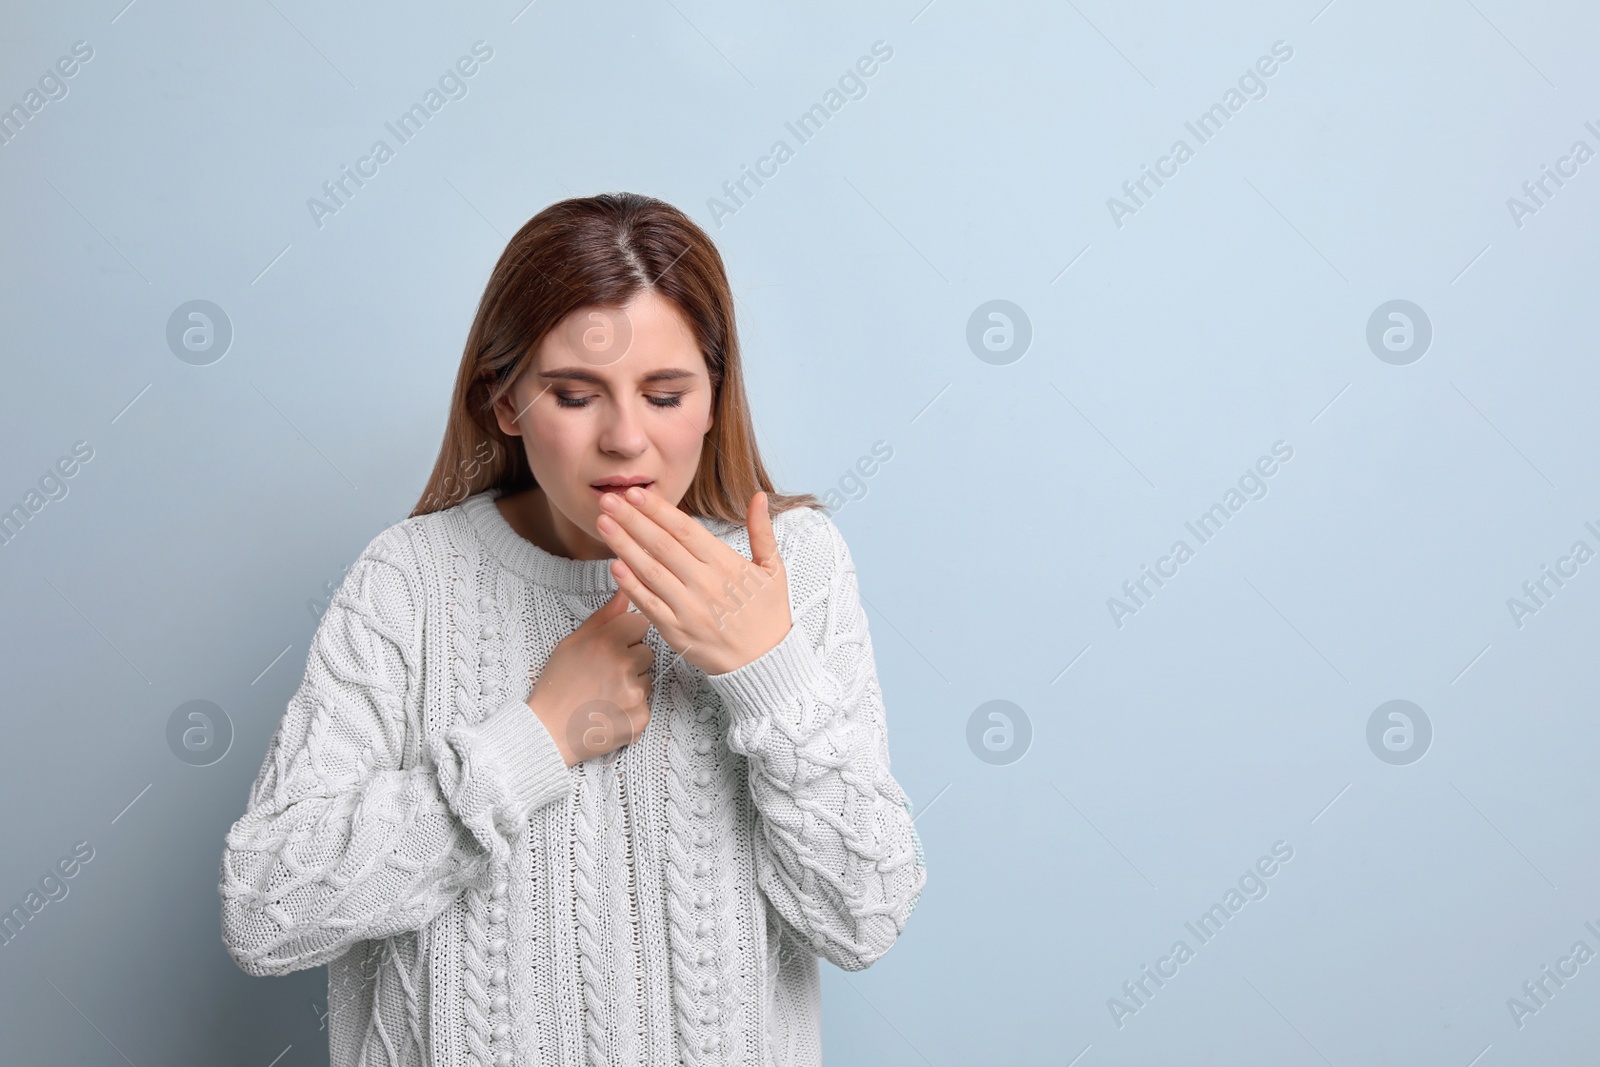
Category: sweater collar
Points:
column 523, row 557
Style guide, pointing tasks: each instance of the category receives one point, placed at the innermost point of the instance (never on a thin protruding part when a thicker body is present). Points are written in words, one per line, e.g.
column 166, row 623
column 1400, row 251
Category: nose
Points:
column 621, row 431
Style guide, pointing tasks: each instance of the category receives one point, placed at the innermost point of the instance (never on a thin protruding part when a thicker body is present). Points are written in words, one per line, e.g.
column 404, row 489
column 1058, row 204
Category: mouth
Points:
column 617, row 485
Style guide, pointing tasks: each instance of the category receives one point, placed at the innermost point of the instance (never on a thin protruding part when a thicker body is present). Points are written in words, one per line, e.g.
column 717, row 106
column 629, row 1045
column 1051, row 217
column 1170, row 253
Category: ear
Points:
column 505, row 412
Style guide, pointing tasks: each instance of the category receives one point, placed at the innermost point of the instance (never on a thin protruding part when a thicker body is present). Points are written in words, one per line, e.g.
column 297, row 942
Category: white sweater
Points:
column 477, row 902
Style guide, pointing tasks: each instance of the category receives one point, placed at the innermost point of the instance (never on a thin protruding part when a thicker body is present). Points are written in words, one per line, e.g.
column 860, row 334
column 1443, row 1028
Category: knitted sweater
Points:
column 477, row 902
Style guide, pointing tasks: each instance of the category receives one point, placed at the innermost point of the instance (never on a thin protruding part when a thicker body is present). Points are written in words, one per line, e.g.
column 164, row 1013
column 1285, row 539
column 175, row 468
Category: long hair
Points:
column 600, row 251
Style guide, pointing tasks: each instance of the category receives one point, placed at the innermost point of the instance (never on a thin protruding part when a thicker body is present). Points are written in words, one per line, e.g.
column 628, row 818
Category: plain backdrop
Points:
column 1172, row 342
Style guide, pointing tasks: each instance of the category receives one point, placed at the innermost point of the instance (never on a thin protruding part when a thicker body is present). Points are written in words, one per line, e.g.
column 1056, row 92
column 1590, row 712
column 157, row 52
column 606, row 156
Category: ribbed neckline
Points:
column 527, row 559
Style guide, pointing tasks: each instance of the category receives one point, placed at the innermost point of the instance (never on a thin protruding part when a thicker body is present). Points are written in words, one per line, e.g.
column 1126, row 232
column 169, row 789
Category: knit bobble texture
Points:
column 414, row 827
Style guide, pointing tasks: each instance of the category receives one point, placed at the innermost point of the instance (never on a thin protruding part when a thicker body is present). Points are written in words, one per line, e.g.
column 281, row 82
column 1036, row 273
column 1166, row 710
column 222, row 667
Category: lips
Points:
column 619, row 484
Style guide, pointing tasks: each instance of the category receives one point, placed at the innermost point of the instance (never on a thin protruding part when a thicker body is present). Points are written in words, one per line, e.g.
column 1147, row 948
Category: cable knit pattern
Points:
column 623, row 1019
column 591, row 935
column 682, row 889
column 689, row 899
column 842, row 862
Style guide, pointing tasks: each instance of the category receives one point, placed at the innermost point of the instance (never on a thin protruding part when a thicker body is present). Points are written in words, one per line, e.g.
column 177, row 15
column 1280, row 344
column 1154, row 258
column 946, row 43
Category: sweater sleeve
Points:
column 352, row 831
column 837, row 853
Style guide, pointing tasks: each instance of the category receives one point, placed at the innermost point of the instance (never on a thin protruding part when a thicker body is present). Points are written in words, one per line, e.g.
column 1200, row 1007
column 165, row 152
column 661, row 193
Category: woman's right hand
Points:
column 594, row 692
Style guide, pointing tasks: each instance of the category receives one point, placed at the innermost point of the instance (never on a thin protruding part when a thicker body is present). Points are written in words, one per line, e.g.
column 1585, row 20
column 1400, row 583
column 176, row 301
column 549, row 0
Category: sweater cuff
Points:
column 774, row 681
column 516, row 750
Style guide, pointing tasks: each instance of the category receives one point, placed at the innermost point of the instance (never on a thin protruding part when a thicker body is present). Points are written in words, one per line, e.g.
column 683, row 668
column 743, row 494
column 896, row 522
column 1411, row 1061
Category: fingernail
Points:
column 634, row 494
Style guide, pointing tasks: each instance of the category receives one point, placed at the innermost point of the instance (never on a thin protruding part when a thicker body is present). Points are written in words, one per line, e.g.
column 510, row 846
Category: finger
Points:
column 702, row 571
column 629, row 629
column 653, row 529
column 654, row 608
column 638, row 720
column 651, row 574
column 763, row 542
column 695, row 538
column 617, row 605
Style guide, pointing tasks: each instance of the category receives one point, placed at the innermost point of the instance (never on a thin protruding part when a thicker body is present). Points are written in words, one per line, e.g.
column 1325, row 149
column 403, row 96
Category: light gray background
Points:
column 1228, row 314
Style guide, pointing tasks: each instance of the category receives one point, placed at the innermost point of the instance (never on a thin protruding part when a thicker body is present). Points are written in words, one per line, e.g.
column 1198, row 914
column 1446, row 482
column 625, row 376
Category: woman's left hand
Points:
column 718, row 609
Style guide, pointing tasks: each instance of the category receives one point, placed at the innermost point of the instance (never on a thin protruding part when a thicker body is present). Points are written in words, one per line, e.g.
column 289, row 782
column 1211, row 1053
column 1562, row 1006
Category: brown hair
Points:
column 600, row 251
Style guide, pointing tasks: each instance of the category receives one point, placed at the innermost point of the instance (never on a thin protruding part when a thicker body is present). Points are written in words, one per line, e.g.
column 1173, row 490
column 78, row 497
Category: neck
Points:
column 535, row 519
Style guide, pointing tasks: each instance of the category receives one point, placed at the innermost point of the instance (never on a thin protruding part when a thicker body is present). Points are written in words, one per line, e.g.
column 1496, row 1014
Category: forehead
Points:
column 648, row 339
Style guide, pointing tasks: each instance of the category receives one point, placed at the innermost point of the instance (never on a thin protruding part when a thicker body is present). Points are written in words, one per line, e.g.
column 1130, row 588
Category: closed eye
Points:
column 565, row 401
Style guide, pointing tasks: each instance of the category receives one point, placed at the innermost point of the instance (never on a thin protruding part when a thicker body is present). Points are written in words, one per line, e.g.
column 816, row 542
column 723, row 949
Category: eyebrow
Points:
column 578, row 374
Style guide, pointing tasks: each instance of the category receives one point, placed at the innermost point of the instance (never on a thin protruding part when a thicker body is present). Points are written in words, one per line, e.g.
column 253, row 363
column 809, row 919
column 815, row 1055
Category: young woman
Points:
column 579, row 772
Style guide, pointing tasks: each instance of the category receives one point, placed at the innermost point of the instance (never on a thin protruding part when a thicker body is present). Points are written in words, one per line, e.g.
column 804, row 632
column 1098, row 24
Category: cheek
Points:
column 553, row 449
column 680, row 437
column 556, row 438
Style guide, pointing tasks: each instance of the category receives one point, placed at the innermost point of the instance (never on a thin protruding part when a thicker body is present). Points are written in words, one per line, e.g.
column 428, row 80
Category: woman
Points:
column 565, row 782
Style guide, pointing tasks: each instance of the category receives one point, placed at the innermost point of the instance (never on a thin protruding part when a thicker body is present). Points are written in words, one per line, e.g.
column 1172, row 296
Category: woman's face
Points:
column 612, row 393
